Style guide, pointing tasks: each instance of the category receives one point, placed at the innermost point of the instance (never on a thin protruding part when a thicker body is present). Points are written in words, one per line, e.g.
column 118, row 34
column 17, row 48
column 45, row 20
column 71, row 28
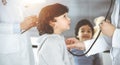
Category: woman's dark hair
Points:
column 82, row 23
column 48, row 14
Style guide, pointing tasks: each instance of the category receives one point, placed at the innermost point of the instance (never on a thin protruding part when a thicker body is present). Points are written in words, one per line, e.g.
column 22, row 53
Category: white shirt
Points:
column 11, row 12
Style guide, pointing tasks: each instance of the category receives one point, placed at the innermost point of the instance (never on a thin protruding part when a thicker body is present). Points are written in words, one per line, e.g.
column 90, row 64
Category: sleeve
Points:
column 16, row 28
column 51, row 52
column 99, row 46
column 7, row 28
column 116, row 39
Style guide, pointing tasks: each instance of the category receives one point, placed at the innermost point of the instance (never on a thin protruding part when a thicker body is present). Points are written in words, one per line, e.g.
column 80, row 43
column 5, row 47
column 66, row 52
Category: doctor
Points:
column 15, row 48
column 109, row 41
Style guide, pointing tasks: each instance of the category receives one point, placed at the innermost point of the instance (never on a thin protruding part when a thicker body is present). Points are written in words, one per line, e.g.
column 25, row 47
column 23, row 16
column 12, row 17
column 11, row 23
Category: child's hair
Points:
column 48, row 14
column 82, row 23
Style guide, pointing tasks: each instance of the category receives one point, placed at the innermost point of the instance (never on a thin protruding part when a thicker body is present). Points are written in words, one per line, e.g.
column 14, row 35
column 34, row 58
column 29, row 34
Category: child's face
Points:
column 84, row 33
column 62, row 23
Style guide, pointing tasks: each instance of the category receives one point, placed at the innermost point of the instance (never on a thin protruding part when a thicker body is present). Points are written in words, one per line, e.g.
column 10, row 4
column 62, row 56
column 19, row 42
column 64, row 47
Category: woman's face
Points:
column 62, row 23
column 84, row 33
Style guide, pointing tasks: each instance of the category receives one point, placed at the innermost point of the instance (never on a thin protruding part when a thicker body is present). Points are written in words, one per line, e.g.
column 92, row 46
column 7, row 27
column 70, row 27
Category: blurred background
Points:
column 78, row 9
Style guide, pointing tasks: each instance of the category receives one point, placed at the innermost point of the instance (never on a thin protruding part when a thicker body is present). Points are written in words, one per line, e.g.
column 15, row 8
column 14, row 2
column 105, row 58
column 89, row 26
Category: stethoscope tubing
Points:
column 111, row 3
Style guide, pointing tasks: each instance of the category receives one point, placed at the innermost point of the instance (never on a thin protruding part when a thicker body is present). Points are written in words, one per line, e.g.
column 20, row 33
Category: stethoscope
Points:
column 111, row 3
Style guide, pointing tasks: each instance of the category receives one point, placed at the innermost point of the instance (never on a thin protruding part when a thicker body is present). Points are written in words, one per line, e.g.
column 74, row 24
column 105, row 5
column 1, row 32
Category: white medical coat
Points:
column 104, row 43
column 15, row 48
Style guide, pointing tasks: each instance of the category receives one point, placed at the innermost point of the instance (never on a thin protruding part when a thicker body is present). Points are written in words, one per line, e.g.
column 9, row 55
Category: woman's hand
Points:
column 29, row 22
column 107, row 28
column 74, row 43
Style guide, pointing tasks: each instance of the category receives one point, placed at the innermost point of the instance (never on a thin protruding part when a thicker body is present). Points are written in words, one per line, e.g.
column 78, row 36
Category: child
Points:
column 53, row 20
column 85, row 31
